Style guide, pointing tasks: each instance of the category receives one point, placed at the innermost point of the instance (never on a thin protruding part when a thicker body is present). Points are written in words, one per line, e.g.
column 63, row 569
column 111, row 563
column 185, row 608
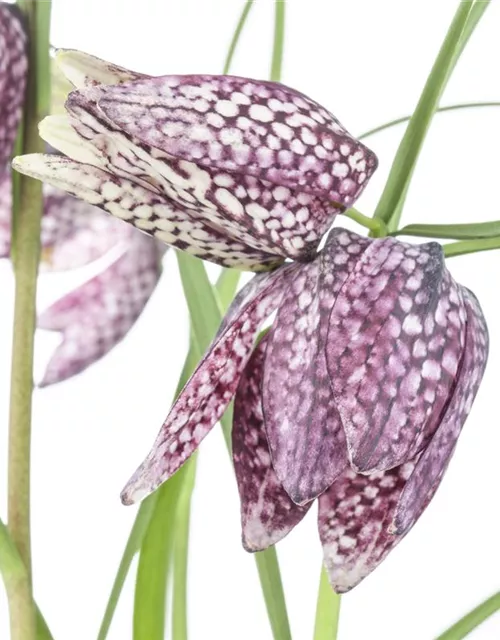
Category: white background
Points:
column 367, row 62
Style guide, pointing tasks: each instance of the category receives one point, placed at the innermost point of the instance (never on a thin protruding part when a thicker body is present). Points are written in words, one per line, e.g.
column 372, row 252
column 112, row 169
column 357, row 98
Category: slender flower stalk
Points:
column 27, row 220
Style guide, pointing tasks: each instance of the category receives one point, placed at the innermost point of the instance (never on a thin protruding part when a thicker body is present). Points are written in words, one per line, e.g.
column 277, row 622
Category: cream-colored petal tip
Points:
column 33, row 164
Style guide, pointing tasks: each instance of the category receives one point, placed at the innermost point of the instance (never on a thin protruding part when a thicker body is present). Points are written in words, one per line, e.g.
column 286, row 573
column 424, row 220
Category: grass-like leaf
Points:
column 473, row 619
column 470, row 231
column 471, row 246
column 390, row 204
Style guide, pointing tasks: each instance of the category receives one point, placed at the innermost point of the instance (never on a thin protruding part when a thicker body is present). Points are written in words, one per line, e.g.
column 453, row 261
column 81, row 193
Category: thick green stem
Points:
column 26, row 250
column 327, row 610
column 375, row 225
column 473, row 619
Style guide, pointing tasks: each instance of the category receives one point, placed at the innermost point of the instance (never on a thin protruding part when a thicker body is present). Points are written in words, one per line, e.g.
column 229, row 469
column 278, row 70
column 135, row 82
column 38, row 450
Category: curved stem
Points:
column 327, row 610
column 451, row 107
column 473, row 619
column 236, row 36
column 374, row 224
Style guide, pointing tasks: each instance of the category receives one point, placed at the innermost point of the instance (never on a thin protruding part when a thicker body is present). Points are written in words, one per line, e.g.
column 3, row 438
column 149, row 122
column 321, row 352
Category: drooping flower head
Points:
column 97, row 315
column 356, row 396
column 241, row 172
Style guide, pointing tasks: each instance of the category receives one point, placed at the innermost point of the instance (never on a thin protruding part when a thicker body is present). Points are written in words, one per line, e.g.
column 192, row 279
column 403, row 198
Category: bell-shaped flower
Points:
column 245, row 173
column 356, row 396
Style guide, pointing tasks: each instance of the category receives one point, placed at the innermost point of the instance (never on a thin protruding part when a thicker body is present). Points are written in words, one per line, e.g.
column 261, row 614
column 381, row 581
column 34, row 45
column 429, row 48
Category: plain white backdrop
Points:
column 367, row 62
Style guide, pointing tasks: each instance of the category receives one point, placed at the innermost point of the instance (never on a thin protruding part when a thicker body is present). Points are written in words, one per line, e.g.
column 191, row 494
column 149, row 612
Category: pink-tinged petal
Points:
column 5, row 214
column 265, row 216
column 13, row 74
column 303, row 425
column 246, row 126
column 354, row 521
column 210, row 389
column 97, row 315
column 434, row 461
column 267, row 513
column 396, row 333
column 84, row 70
column 148, row 211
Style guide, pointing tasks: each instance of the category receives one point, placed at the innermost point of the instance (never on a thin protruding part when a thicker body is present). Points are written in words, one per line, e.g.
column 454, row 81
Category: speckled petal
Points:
column 265, row 216
column 240, row 125
column 429, row 471
column 13, row 74
column 305, row 432
column 210, row 389
column 145, row 209
column 267, row 513
column 84, row 70
column 395, row 338
column 97, row 315
column 354, row 519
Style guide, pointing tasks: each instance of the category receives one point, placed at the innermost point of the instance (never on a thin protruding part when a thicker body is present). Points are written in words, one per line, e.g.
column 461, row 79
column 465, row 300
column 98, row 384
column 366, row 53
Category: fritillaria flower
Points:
column 241, row 172
column 356, row 396
column 96, row 315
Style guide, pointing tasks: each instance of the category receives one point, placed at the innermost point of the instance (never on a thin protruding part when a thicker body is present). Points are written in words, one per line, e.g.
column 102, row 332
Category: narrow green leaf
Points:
column 473, row 619
column 451, row 107
column 470, row 246
column 411, row 144
column 181, row 552
column 237, row 34
column 279, row 40
column 139, row 528
column 453, row 231
column 327, row 610
column 274, row 596
column 13, row 571
column 152, row 571
column 206, row 319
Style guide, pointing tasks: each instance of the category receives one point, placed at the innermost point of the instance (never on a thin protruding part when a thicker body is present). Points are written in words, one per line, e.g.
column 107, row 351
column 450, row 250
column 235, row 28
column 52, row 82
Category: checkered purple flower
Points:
column 94, row 317
column 356, row 396
column 241, row 172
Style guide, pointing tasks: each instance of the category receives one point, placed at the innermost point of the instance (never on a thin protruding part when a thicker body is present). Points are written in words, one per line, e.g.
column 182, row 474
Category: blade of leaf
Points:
column 237, row 34
column 327, row 610
column 453, row 231
column 14, row 572
column 403, row 119
column 279, row 40
column 205, row 319
column 139, row 528
column 181, row 554
column 473, row 619
column 453, row 249
column 411, row 144
column 153, row 568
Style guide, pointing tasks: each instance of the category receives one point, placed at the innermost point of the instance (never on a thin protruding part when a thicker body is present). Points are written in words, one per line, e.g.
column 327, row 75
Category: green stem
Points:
column 453, row 249
column 236, row 36
column 181, row 552
column 374, row 224
column 451, row 107
column 413, row 139
column 327, row 610
column 274, row 596
column 279, row 40
column 27, row 212
column 473, row 619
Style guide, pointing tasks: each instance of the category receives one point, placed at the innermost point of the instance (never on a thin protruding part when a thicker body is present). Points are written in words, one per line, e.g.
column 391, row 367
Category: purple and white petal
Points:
column 97, row 315
column 146, row 210
column 13, row 74
column 209, row 390
column 434, row 461
column 354, row 520
column 267, row 513
column 265, row 216
column 396, row 333
column 264, row 129
column 302, row 423
column 84, row 70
